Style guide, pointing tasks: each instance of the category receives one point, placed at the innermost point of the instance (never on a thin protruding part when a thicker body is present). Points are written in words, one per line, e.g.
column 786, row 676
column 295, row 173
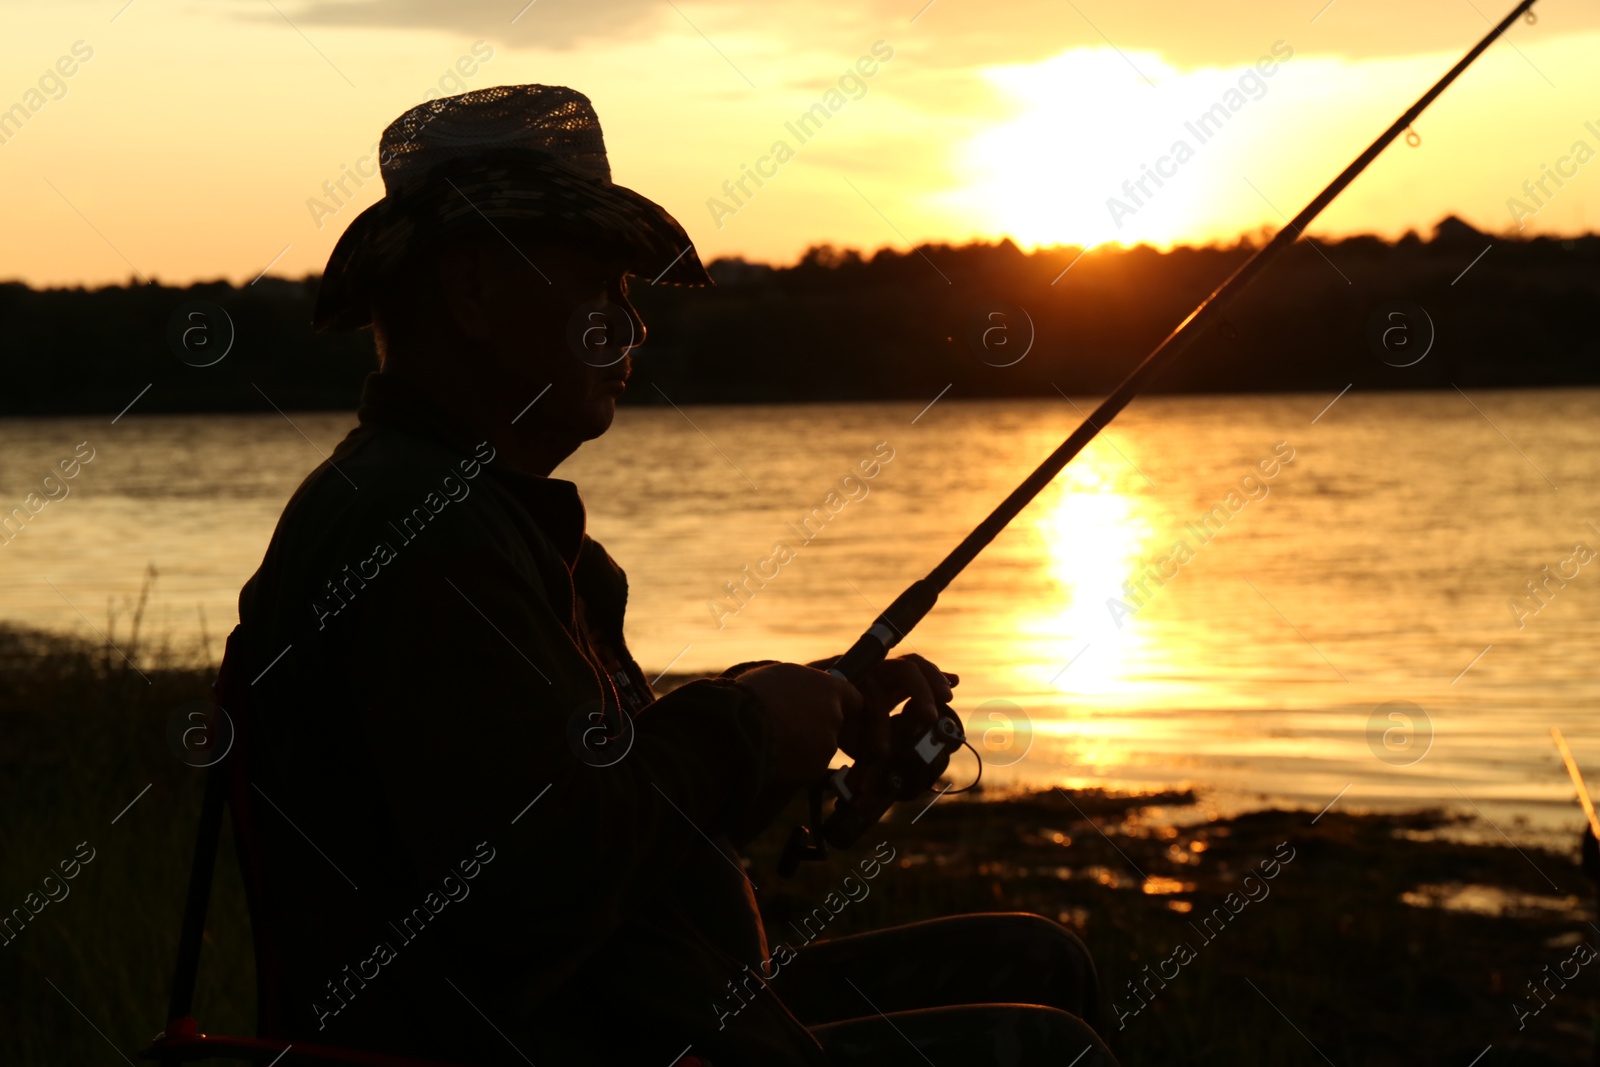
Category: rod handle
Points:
column 872, row 647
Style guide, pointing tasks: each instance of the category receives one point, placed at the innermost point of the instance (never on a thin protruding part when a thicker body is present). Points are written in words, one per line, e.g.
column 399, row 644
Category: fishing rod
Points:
column 1577, row 780
column 866, row 790
column 1589, row 850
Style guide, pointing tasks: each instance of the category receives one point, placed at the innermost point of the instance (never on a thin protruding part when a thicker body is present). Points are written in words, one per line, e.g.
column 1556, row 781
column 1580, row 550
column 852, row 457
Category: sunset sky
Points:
column 191, row 141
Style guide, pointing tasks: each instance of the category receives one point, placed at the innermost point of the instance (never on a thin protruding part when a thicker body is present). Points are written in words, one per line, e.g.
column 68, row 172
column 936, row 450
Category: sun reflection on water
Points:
column 1095, row 531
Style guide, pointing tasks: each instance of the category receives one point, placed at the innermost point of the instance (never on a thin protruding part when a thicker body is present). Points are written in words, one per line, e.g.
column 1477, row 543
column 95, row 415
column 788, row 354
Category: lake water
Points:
column 1371, row 574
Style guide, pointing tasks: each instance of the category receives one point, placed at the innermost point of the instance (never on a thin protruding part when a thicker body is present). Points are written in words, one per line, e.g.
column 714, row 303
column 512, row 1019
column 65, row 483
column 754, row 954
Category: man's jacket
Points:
column 474, row 835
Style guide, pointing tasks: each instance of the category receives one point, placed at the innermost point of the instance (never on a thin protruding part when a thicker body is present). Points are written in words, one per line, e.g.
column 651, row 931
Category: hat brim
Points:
column 539, row 191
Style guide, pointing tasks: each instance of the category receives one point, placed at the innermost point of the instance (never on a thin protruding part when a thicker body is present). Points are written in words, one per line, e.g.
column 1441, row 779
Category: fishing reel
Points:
column 864, row 791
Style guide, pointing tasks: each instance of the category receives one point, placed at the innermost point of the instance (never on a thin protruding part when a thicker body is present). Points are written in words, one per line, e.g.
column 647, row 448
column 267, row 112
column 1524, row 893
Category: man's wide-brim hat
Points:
column 507, row 154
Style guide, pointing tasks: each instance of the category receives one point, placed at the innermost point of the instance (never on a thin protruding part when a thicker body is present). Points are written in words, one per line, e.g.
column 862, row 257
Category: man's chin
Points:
column 599, row 414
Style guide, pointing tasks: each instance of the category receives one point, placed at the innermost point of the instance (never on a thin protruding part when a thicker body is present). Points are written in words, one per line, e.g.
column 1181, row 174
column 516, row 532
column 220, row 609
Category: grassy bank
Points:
column 1363, row 947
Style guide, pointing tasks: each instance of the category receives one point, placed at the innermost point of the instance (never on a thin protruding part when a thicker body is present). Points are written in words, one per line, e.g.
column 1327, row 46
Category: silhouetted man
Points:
column 474, row 835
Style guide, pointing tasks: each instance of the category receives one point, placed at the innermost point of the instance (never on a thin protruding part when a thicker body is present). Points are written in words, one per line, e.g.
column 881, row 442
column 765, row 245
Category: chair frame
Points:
column 182, row 1041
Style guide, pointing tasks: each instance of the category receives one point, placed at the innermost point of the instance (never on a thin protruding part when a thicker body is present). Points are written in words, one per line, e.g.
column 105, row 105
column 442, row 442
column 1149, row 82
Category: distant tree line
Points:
column 988, row 320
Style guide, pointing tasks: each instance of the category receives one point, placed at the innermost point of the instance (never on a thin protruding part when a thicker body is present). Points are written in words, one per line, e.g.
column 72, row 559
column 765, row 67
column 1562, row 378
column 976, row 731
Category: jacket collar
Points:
column 389, row 402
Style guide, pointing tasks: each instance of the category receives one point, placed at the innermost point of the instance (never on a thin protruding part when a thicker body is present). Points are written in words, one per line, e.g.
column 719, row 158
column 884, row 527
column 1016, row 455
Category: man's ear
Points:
column 471, row 284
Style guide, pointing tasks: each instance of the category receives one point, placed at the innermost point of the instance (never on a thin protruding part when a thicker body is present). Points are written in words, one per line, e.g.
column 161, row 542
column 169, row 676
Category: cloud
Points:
column 952, row 34
column 557, row 25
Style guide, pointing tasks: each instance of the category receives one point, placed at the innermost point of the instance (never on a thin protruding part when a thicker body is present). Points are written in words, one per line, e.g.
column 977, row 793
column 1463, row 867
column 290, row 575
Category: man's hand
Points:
column 910, row 679
column 814, row 714
column 808, row 710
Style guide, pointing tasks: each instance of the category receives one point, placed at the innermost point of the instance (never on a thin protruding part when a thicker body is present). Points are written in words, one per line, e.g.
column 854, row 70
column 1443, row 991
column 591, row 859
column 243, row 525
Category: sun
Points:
column 1089, row 121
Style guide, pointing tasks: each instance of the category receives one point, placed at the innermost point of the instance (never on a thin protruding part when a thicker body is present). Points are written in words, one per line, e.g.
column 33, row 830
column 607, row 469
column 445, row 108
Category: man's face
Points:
column 562, row 319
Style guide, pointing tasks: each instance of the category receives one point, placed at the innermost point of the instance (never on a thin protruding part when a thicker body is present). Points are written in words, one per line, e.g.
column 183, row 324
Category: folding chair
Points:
column 227, row 786
column 182, row 1041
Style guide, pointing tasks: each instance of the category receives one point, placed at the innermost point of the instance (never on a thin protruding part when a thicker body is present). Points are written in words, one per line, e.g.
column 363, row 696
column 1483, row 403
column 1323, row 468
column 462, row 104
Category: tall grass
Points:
column 83, row 733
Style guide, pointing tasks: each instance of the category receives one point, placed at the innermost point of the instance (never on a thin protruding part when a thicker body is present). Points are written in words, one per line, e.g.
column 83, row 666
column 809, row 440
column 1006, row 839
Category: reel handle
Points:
column 866, row 790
